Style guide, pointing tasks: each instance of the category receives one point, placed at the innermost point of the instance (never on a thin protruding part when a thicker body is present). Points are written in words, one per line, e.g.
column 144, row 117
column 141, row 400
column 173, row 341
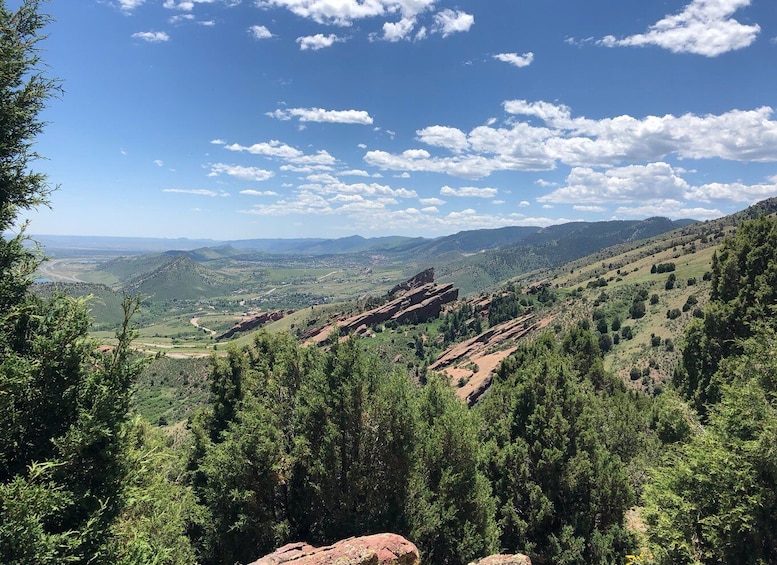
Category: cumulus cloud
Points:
column 273, row 148
column 250, row 192
column 318, row 41
column 345, row 12
column 323, row 116
column 737, row 135
column 524, row 204
column 240, row 172
column 735, row 191
column 469, row 191
column 397, row 31
column 441, row 136
column 260, row 32
column 152, row 36
column 515, row 59
column 704, row 27
column 449, row 21
column 669, row 208
column 633, row 182
column 128, row 5
column 657, row 187
column 188, row 5
column 588, row 208
column 197, row 191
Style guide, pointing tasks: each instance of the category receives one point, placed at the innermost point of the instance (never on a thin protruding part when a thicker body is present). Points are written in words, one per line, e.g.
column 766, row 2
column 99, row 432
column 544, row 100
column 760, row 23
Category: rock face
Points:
column 417, row 299
column 517, row 559
column 254, row 322
column 474, row 360
column 378, row 549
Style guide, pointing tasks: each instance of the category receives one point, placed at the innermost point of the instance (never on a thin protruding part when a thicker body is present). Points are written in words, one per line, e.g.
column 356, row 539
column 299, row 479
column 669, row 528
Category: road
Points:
column 47, row 270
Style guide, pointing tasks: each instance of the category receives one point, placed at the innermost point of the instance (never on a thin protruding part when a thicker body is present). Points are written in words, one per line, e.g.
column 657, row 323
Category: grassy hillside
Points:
column 179, row 277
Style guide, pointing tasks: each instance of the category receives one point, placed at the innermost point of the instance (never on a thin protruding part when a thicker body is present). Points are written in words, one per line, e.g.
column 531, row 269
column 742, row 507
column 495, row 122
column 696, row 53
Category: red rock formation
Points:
column 254, row 322
column 418, row 303
column 422, row 278
column 475, row 359
column 377, row 549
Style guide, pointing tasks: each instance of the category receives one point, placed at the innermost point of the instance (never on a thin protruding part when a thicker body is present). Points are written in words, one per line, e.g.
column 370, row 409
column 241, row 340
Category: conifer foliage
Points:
column 62, row 403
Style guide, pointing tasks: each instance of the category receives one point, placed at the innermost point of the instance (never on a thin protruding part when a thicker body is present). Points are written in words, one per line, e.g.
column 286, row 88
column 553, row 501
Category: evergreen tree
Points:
column 62, row 403
column 451, row 508
column 557, row 452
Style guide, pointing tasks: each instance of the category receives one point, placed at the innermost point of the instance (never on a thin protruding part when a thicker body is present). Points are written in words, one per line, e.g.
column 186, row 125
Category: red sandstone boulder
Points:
column 377, row 549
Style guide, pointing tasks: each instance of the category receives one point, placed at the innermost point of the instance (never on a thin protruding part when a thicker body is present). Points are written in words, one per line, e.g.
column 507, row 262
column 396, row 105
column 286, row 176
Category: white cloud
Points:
column 273, row 148
column 515, row 59
column 318, row 41
column 129, row 5
column 630, row 183
column 218, row 142
column 345, row 12
column 354, row 173
column 197, row 191
column 449, row 21
column 188, row 5
column 546, row 111
column 278, row 150
column 432, row 201
column 588, row 208
column 397, row 31
column 669, row 208
column 704, row 27
column 250, row 192
column 260, row 32
column 524, row 204
column 181, row 18
column 737, row 135
column 240, row 172
column 735, row 191
column 442, row 136
column 469, row 191
column 152, row 36
column 323, row 116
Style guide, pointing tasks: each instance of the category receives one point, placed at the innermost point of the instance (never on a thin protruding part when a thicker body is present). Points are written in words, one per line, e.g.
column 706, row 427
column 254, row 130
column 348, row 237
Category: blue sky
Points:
column 231, row 119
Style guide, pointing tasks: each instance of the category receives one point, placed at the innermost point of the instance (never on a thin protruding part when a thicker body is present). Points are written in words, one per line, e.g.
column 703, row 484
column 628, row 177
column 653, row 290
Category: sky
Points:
column 230, row 119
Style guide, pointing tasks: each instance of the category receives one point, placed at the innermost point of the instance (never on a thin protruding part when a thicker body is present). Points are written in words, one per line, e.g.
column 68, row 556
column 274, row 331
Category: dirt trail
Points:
column 196, row 323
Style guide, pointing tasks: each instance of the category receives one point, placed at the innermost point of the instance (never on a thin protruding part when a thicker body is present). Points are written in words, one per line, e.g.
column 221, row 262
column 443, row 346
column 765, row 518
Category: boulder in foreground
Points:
column 377, row 549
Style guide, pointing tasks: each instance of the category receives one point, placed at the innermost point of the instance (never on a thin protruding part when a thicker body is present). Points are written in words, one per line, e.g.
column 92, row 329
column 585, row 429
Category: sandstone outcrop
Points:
column 254, row 322
column 377, row 549
column 516, row 559
column 415, row 300
column 470, row 364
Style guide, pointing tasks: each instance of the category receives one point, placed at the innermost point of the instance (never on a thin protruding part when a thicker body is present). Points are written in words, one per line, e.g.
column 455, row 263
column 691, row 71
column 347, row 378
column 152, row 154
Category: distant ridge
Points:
column 575, row 236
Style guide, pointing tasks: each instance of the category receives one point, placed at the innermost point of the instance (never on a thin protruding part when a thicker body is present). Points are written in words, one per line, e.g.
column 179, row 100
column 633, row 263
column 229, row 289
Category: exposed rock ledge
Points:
column 254, row 322
column 417, row 299
column 377, row 549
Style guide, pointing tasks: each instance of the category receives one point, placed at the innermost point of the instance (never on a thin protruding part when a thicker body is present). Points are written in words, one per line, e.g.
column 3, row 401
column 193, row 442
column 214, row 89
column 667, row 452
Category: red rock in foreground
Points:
column 378, row 549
